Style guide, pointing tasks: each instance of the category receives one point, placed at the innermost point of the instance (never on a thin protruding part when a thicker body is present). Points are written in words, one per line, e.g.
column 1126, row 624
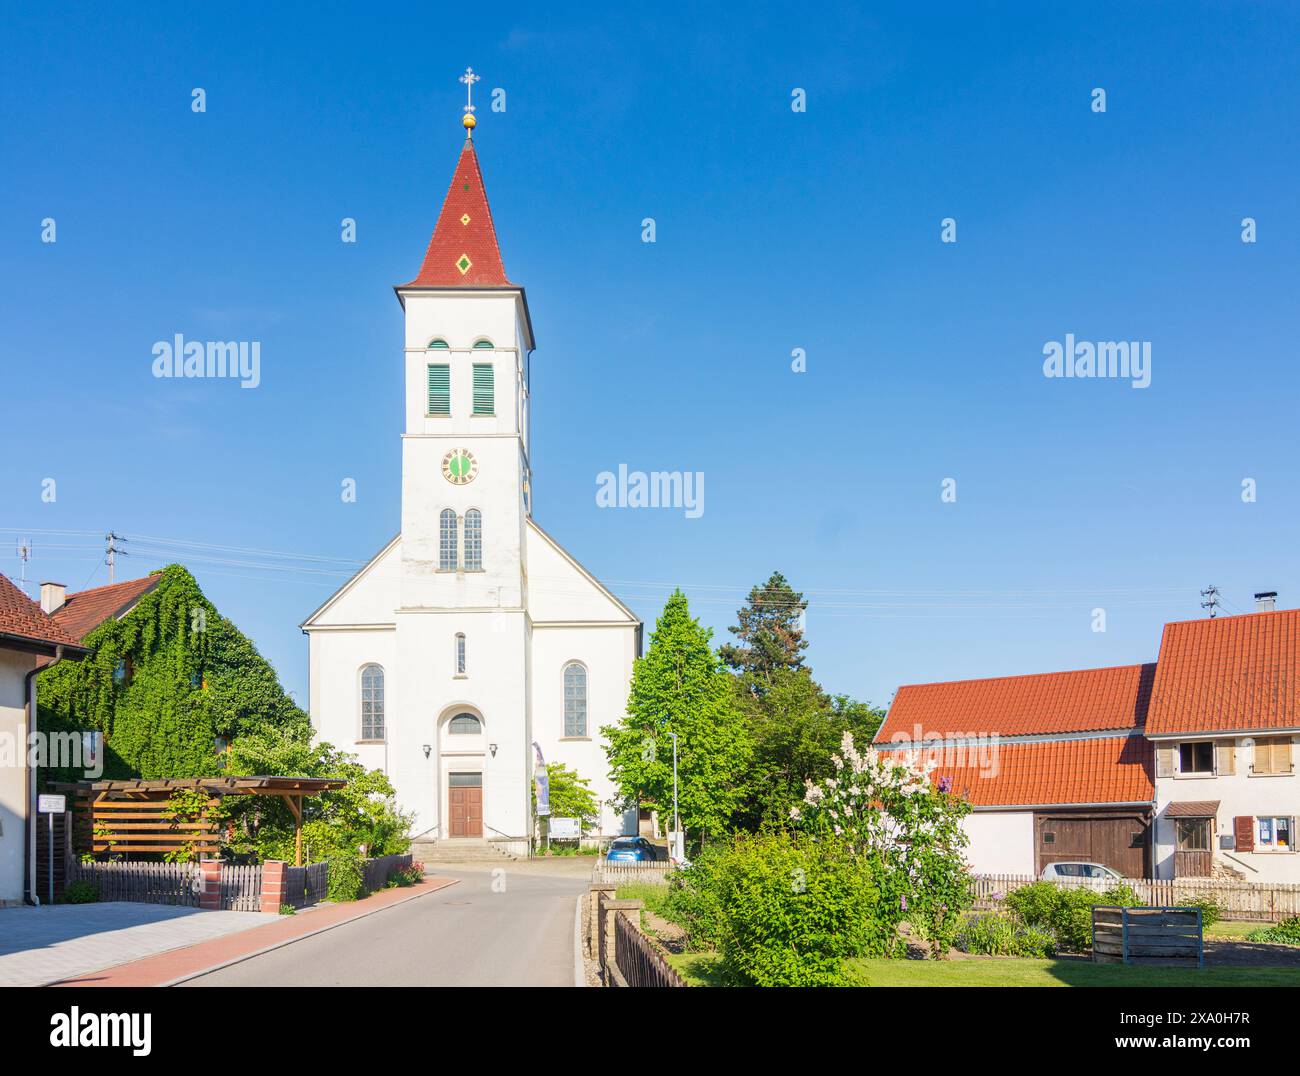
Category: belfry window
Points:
column 473, row 540
column 447, row 542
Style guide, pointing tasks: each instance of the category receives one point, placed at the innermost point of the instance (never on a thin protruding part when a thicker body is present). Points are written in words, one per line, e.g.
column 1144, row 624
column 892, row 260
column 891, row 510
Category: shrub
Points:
column 1211, row 909
column 80, row 893
column 346, row 878
column 1286, row 932
column 993, row 934
column 792, row 909
column 1066, row 911
column 999, row 934
column 1033, row 904
column 692, row 903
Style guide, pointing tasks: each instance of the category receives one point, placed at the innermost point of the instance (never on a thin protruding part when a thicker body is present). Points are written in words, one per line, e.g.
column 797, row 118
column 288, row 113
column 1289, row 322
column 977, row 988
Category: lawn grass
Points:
column 1076, row 972
column 653, row 894
column 1231, row 929
column 705, row 969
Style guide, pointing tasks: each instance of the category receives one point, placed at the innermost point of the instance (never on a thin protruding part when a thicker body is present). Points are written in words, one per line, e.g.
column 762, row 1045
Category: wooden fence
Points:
column 625, row 956
column 1164, row 937
column 655, row 873
column 377, row 871
column 140, row 823
column 306, row 885
column 241, row 887
column 144, row 883
column 1257, row 902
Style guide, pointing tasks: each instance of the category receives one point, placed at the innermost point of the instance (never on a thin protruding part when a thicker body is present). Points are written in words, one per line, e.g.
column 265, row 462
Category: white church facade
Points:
column 472, row 634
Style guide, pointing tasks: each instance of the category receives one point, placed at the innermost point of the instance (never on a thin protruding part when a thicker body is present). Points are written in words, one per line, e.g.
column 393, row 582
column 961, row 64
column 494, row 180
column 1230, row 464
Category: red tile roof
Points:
column 1085, row 700
column 1113, row 769
column 21, row 616
column 84, row 611
column 1229, row 673
column 463, row 251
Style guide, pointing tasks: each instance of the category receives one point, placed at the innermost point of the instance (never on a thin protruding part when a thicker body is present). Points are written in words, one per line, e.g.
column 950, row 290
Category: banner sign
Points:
column 564, row 829
column 542, row 783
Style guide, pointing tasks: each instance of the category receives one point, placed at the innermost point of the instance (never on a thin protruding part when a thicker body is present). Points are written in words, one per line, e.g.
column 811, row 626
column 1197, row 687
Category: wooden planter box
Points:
column 1165, row 937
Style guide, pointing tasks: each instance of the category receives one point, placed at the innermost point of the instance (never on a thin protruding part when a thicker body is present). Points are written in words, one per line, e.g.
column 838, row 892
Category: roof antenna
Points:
column 24, row 555
column 1211, row 596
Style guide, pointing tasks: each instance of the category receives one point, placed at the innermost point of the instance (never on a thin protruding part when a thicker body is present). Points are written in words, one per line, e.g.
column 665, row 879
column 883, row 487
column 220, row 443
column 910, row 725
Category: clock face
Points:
column 459, row 466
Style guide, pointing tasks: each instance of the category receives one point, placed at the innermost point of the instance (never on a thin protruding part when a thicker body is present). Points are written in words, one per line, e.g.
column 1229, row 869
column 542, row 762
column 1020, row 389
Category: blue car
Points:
column 630, row 850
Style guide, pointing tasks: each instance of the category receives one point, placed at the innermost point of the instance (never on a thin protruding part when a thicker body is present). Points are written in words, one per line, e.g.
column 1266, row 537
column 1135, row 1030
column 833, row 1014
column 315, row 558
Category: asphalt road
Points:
column 464, row 935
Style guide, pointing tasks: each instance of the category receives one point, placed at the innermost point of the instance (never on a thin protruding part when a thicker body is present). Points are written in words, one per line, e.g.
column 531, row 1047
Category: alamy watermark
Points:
column 240, row 359
column 1120, row 359
column 657, row 489
column 82, row 751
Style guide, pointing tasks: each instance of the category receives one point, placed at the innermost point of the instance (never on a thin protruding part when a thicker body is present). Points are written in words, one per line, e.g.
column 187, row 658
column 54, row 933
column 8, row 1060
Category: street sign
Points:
column 48, row 804
column 565, row 829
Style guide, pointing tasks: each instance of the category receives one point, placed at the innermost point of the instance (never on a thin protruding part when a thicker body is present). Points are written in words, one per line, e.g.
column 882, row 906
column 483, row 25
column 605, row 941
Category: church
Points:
column 471, row 636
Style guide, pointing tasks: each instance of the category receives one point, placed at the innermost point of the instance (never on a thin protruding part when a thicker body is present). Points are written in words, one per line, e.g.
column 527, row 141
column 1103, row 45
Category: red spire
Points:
column 463, row 251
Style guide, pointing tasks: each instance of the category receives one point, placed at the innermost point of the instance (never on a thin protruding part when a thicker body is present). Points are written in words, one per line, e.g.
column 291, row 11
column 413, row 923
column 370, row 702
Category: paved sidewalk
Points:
column 179, row 964
column 41, row 945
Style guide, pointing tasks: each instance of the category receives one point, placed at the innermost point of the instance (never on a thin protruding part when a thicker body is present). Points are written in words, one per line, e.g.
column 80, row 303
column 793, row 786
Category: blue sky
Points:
column 775, row 230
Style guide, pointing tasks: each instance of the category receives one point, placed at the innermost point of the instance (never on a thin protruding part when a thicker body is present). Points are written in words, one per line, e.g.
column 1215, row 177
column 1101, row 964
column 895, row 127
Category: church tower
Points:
column 472, row 644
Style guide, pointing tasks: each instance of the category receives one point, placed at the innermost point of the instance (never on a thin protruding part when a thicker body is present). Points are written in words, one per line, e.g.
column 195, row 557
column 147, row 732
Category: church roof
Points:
column 463, row 252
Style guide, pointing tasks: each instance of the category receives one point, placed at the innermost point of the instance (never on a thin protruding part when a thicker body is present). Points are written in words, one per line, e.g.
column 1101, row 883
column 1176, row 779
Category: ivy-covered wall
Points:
column 162, row 684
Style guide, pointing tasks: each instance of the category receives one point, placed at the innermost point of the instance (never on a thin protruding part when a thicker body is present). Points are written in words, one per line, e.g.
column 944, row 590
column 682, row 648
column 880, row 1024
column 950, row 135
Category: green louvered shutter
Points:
column 484, row 394
column 439, row 389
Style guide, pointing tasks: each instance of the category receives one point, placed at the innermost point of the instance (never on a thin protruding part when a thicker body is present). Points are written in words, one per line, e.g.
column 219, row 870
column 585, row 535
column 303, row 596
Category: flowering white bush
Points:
column 888, row 809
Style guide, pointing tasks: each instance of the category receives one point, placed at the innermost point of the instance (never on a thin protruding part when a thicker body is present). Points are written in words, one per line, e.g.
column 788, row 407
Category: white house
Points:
column 472, row 634
column 1225, row 716
column 29, row 640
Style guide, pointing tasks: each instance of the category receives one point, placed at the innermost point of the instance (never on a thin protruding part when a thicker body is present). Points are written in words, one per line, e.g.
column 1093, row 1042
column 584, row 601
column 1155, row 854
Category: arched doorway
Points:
column 462, row 751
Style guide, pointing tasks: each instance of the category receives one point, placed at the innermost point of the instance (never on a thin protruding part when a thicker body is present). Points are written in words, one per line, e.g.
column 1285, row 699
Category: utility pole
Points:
column 1211, row 602
column 111, row 551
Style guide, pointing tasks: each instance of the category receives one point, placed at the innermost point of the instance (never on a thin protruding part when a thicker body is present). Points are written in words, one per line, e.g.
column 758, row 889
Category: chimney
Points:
column 53, row 595
column 1265, row 601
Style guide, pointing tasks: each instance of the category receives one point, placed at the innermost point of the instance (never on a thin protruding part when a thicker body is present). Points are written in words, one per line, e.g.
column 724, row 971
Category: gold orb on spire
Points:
column 468, row 121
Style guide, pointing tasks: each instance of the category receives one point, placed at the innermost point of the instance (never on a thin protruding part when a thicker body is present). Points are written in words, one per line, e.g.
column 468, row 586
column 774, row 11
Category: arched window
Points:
column 465, row 725
column 447, row 540
column 460, row 653
column 483, row 345
column 372, row 702
column 473, row 540
column 437, row 345
column 575, row 699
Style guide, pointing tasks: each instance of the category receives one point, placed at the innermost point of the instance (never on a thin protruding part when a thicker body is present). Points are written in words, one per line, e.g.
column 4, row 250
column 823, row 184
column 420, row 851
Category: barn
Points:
column 1055, row 765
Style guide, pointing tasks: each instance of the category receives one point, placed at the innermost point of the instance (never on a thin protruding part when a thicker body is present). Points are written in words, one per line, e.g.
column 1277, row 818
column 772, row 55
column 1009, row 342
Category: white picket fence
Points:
column 655, row 873
column 1260, row 902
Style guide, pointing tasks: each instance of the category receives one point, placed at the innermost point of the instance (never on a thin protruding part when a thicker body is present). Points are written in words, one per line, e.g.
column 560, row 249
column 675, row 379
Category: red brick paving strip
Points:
column 163, row 969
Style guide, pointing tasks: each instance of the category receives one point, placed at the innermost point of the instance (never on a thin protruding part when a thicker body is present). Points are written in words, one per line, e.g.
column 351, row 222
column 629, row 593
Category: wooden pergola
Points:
column 128, row 816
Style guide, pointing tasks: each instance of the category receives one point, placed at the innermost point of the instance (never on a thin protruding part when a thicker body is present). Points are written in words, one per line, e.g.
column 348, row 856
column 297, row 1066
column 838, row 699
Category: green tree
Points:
column 796, row 729
column 363, row 814
column 680, row 687
column 571, row 796
column 769, row 636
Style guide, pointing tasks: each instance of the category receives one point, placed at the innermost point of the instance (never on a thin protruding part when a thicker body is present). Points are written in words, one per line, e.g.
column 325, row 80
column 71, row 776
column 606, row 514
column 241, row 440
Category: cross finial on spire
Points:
column 469, row 78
